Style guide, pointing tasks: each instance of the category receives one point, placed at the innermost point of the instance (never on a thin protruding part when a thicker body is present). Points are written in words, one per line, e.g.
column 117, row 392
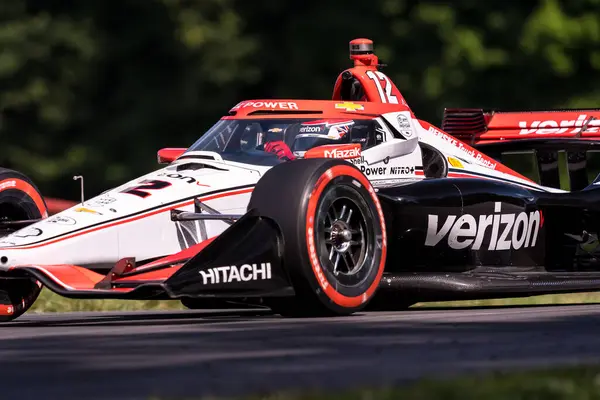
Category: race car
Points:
column 310, row 208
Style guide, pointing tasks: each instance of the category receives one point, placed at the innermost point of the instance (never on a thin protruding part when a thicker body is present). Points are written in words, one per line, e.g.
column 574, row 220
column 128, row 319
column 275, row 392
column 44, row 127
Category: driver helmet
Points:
column 321, row 132
column 273, row 133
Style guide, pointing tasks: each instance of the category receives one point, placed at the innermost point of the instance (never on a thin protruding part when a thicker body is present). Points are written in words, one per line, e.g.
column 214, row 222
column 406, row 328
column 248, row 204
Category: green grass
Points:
column 574, row 298
column 574, row 383
column 50, row 302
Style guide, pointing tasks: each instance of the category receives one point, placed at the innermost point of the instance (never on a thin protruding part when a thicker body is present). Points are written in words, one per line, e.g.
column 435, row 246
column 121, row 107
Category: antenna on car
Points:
column 82, row 195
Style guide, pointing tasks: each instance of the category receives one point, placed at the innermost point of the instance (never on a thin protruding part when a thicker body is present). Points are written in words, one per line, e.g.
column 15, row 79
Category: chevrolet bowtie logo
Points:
column 348, row 106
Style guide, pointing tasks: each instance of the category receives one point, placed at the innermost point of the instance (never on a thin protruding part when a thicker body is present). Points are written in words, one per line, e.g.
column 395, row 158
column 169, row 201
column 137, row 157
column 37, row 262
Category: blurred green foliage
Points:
column 97, row 87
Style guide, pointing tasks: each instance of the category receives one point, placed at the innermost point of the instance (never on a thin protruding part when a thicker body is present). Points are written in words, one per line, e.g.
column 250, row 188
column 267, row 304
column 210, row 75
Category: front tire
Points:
column 334, row 234
column 17, row 295
column 20, row 200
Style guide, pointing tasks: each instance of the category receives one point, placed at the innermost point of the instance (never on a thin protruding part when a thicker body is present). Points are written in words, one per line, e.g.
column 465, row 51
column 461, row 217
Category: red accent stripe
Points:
column 124, row 221
column 6, row 309
column 156, row 275
column 182, row 256
column 28, row 190
column 330, row 291
column 68, row 276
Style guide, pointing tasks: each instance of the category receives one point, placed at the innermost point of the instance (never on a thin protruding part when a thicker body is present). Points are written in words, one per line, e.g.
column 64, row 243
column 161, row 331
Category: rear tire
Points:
column 20, row 200
column 334, row 235
column 17, row 296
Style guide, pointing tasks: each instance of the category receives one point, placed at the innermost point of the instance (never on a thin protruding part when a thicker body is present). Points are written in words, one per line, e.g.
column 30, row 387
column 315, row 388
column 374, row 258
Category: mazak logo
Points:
column 233, row 273
column 505, row 231
column 549, row 127
column 342, row 153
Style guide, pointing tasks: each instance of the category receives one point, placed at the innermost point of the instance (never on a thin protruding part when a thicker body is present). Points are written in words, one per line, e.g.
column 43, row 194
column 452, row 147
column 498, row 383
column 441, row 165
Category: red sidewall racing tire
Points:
column 310, row 200
column 17, row 295
column 20, row 199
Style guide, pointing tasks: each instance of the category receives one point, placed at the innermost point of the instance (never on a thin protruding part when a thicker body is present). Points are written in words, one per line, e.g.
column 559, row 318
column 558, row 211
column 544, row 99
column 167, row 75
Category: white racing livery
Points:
column 290, row 204
column 134, row 219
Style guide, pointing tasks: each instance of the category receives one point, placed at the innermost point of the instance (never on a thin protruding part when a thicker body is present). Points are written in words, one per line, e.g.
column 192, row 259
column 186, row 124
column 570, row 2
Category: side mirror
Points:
column 169, row 154
column 344, row 151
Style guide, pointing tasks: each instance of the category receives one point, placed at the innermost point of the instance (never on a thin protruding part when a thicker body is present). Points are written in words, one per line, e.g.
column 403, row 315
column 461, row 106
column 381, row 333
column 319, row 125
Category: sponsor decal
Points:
column 349, row 106
column 480, row 158
column 505, row 231
column 383, row 183
column 363, row 161
column 402, row 170
column 101, row 201
column 7, row 243
column 404, row 124
column 555, row 127
column 285, row 105
column 28, row 232
column 311, row 129
column 233, row 273
column 342, row 153
column 185, row 178
column 8, row 184
column 86, row 210
column 455, row 162
column 359, row 161
column 275, row 130
column 312, row 253
column 373, row 171
column 61, row 220
column 336, row 130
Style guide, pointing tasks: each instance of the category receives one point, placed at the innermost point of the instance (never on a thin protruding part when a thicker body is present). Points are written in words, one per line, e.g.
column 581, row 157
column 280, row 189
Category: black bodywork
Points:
column 447, row 239
column 472, row 238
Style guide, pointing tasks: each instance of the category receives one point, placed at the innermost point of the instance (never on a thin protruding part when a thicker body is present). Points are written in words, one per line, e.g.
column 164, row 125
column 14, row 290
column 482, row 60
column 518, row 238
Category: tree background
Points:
column 95, row 88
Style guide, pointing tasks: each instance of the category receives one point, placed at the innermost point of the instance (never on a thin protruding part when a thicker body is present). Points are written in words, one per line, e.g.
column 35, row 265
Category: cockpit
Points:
column 270, row 141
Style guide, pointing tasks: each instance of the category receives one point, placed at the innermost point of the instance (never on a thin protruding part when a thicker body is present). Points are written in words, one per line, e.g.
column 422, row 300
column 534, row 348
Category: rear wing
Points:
column 564, row 145
column 476, row 126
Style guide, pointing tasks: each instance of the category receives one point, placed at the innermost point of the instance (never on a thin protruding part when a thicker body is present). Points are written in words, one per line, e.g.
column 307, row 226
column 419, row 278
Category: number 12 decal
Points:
column 147, row 184
column 385, row 95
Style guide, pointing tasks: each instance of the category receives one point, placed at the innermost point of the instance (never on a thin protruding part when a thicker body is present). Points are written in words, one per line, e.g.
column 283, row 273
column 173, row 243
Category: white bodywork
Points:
column 117, row 224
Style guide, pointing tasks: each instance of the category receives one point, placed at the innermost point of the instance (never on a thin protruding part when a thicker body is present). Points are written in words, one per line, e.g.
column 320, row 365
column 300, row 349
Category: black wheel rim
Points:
column 343, row 237
column 16, row 206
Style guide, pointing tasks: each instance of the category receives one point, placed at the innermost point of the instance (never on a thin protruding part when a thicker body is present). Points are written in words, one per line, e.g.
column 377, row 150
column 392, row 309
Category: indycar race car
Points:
column 310, row 208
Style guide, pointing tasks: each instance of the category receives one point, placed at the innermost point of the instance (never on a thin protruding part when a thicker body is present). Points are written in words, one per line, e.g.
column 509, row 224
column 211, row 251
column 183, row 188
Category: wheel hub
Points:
column 344, row 236
column 341, row 236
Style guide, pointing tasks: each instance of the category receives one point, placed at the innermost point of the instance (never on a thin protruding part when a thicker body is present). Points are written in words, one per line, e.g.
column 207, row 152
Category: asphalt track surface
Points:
column 177, row 354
